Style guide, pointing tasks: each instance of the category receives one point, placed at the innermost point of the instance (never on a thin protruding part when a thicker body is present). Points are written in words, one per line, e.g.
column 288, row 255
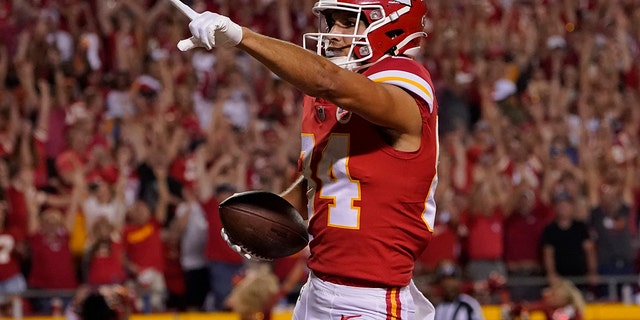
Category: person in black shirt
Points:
column 567, row 247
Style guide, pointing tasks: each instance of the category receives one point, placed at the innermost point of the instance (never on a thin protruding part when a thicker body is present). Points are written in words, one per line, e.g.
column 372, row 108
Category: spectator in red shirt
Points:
column 104, row 258
column 523, row 230
column 21, row 181
column 445, row 244
column 224, row 263
column 23, row 176
column 483, row 221
column 49, row 234
column 445, row 241
column 173, row 274
column 214, row 184
column 12, row 283
column 51, row 259
column 143, row 245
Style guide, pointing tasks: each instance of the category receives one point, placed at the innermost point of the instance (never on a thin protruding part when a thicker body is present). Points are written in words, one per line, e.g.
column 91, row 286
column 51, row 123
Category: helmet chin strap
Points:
column 344, row 63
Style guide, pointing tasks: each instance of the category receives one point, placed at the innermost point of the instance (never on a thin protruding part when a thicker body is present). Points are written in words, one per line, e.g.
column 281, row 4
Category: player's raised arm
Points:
column 383, row 104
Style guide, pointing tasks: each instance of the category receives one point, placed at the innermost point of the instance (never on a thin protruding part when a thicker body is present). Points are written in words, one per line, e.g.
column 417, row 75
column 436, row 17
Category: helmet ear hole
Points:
column 394, row 33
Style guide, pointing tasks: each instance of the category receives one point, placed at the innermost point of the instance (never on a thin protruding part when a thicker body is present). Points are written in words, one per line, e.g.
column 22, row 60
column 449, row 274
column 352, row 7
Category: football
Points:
column 263, row 224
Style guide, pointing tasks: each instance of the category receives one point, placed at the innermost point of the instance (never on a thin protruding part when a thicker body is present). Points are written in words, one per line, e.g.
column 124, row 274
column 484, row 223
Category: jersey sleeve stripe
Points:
column 407, row 81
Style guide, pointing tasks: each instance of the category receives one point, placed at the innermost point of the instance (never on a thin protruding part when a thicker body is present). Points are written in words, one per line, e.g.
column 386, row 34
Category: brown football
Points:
column 264, row 224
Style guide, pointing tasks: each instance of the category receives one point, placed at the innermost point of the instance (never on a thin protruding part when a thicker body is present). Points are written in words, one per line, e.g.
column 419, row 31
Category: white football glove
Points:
column 239, row 249
column 212, row 30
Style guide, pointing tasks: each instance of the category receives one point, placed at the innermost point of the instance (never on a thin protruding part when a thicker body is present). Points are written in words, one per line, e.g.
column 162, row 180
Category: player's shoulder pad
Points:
column 405, row 73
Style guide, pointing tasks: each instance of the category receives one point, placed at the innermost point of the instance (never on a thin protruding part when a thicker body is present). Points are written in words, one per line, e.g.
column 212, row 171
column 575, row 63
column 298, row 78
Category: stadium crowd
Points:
column 116, row 148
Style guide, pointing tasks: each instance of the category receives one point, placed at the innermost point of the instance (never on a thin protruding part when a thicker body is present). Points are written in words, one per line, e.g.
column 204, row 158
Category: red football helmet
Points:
column 393, row 27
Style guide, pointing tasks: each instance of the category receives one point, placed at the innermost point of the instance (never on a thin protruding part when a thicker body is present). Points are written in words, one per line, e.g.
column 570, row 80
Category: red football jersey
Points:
column 107, row 265
column 486, row 234
column 372, row 206
column 216, row 249
column 143, row 245
column 52, row 262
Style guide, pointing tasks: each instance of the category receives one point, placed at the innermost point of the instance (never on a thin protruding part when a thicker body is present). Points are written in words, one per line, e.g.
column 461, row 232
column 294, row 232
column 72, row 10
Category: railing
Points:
column 625, row 283
column 613, row 283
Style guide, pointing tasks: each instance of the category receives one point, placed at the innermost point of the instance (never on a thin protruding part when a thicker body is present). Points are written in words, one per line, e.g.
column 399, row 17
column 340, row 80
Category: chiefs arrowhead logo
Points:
column 343, row 116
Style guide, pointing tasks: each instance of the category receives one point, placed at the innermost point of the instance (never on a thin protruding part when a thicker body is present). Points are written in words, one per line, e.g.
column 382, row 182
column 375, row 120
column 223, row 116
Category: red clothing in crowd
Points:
column 484, row 241
column 56, row 142
column 216, row 248
column 107, row 264
column 523, row 232
column 282, row 267
column 17, row 216
column 183, row 169
column 143, row 245
column 173, row 274
column 52, row 262
column 444, row 245
column 9, row 265
column 40, row 170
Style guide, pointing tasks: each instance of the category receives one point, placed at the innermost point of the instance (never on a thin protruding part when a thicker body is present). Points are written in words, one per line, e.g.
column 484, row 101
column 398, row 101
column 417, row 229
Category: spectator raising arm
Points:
column 4, row 63
column 10, row 124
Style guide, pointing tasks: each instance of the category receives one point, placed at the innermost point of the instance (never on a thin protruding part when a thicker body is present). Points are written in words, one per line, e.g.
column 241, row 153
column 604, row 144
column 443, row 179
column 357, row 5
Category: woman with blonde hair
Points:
column 250, row 296
column 563, row 301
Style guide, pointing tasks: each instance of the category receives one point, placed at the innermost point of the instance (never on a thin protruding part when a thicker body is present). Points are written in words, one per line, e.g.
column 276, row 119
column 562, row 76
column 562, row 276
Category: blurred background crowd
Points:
column 116, row 148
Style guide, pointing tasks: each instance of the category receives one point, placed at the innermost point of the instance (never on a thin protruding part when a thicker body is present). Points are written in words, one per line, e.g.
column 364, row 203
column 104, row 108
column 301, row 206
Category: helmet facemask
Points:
column 360, row 48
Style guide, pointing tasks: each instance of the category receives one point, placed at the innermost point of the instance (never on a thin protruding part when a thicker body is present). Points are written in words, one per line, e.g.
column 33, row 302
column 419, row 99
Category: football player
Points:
column 369, row 151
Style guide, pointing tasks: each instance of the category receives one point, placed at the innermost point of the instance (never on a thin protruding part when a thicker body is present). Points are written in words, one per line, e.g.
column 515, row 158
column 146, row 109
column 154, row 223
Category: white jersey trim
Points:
column 406, row 80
